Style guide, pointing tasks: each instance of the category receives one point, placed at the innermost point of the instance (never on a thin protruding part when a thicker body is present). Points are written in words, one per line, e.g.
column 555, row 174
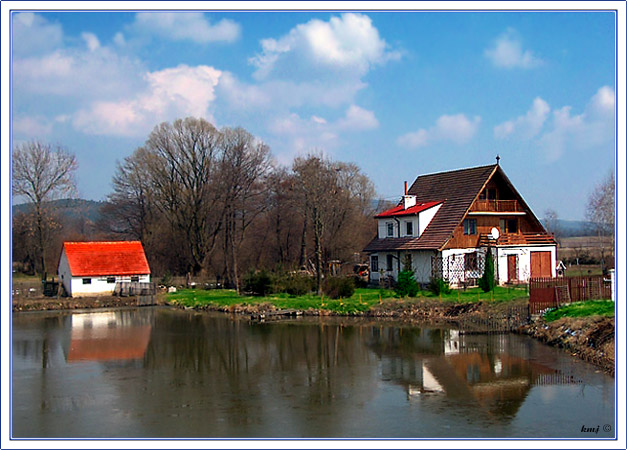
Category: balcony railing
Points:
column 517, row 239
column 496, row 206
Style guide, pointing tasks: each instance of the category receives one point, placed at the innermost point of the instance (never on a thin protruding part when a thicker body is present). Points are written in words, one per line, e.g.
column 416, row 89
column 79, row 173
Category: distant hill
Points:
column 573, row 227
column 69, row 208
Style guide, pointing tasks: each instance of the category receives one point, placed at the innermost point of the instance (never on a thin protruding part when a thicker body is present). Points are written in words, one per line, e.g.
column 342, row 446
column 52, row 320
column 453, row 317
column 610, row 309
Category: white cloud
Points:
column 79, row 73
column 526, row 126
column 281, row 95
column 91, row 40
column 593, row 128
column 358, row 119
column 507, row 52
column 32, row 34
column 169, row 93
column 186, row 26
column 457, row 128
column 31, row 127
column 349, row 43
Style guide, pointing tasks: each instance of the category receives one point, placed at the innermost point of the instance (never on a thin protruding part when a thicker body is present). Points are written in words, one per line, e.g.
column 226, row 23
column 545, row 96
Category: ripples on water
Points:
column 158, row 372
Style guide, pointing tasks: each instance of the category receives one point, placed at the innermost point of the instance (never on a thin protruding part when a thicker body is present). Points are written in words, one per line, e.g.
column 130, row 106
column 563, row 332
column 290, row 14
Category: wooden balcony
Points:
column 501, row 206
column 517, row 239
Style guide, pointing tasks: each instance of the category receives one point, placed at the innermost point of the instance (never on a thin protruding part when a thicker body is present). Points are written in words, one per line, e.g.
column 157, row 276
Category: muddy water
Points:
column 159, row 372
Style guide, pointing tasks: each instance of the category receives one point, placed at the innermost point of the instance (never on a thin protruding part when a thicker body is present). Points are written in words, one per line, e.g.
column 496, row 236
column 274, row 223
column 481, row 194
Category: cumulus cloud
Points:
column 170, row 93
column 507, row 52
column 186, row 26
column 526, row 126
column 457, row 128
column 303, row 134
column 32, row 34
column 349, row 43
column 91, row 40
column 593, row 128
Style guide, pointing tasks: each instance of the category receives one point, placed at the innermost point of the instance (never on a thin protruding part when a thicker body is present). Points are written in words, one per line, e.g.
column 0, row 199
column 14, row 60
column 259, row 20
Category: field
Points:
column 582, row 309
column 361, row 301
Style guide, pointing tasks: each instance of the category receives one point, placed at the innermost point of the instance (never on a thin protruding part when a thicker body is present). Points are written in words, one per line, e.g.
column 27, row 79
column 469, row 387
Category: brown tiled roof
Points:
column 458, row 189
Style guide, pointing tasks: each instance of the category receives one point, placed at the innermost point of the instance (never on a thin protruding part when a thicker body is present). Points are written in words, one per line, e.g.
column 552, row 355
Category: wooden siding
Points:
column 484, row 227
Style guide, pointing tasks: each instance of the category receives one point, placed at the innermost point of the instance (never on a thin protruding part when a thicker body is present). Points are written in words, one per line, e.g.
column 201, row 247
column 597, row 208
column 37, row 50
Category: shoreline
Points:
column 590, row 339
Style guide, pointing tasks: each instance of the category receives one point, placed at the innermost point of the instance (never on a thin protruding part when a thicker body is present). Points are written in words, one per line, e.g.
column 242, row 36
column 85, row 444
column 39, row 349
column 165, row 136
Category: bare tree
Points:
column 551, row 222
column 600, row 212
column 245, row 164
column 42, row 173
column 335, row 198
column 183, row 167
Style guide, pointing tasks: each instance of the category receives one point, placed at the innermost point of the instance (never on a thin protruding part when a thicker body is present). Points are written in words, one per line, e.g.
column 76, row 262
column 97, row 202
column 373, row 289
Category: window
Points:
column 135, row 279
column 492, row 194
column 470, row 261
column 86, row 280
column 470, row 226
column 390, row 229
column 410, row 228
column 390, row 263
column 110, row 280
column 374, row 263
column 482, row 195
column 508, row 225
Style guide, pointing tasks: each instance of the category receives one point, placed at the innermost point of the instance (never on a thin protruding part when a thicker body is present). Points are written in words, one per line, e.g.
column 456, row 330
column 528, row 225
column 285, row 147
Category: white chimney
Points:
column 408, row 200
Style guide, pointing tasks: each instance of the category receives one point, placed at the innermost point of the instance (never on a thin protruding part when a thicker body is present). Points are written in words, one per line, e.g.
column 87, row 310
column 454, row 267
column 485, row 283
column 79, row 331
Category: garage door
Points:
column 540, row 264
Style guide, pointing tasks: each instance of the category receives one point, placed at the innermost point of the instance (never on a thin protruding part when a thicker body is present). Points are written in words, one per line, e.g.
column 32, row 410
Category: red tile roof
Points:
column 399, row 211
column 106, row 258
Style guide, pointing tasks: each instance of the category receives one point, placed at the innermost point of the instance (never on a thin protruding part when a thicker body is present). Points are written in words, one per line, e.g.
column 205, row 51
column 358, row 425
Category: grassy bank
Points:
column 363, row 299
column 582, row 309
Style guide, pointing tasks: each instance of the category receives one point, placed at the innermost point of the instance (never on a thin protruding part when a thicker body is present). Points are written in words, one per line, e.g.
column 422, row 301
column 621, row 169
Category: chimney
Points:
column 408, row 200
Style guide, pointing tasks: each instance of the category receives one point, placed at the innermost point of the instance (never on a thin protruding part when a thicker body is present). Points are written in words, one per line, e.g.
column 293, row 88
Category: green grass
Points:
column 582, row 309
column 362, row 300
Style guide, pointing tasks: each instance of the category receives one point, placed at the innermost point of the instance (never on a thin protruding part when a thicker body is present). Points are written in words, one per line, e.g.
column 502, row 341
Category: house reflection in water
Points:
column 475, row 370
column 107, row 336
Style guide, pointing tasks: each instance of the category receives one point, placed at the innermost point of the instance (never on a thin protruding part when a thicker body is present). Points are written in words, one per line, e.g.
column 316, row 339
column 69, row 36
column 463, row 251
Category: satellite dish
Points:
column 494, row 233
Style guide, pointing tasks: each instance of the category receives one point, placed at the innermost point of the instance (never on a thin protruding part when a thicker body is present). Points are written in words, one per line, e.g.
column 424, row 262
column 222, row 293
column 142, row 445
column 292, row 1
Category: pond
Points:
column 166, row 373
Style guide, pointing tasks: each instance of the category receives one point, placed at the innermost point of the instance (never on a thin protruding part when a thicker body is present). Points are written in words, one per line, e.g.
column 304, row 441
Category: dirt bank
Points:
column 57, row 304
column 589, row 338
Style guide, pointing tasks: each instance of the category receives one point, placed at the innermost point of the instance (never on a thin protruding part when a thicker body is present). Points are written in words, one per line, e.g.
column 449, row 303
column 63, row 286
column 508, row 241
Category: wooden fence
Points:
column 547, row 293
column 133, row 288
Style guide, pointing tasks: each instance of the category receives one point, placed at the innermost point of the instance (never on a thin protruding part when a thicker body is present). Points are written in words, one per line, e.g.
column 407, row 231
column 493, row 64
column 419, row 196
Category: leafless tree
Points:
column 551, row 222
column 334, row 197
column 183, row 166
column 42, row 173
column 600, row 212
column 244, row 166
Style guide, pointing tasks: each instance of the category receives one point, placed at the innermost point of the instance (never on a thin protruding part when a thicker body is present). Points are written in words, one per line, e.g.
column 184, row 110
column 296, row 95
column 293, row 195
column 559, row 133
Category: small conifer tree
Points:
column 487, row 281
column 406, row 286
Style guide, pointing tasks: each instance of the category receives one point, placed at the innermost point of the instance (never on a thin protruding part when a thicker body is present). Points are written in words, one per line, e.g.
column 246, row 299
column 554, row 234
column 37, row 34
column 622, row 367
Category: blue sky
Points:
column 399, row 93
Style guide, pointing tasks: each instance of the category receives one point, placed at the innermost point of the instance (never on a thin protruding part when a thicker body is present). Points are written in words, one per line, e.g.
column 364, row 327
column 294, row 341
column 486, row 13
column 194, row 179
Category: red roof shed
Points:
column 106, row 258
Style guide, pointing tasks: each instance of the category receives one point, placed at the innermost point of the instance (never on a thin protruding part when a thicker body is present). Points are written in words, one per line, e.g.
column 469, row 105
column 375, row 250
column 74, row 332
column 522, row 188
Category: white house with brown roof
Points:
column 94, row 268
column 447, row 222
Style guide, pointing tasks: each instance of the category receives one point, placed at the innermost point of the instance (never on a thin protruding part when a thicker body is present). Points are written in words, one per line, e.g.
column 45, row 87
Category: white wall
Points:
column 421, row 263
column 524, row 261
column 425, row 217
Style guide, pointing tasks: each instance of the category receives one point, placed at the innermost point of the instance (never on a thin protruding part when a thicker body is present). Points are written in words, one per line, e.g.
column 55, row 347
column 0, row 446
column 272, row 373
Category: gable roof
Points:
column 456, row 189
column 106, row 258
column 399, row 211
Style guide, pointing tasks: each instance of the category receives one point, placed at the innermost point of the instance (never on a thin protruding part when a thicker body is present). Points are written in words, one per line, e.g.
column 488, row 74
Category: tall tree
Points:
column 600, row 212
column 183, row 166
column 244, row 166
column 42, row 173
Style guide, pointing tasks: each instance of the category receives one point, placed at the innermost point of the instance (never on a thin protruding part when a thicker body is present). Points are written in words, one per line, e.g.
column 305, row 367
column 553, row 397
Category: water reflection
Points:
column 107, row 336
column 167, row 373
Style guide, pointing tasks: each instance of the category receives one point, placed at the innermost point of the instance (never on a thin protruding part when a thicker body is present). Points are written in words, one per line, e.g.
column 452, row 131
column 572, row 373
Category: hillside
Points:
column 70, row 209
